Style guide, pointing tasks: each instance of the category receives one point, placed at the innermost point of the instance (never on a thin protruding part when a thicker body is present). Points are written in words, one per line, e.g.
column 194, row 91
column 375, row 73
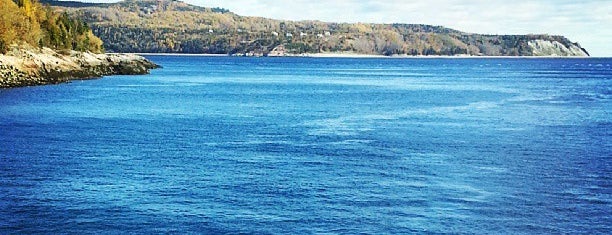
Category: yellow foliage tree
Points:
column 13, row 24
column 26, row 5
column 27, row 21
column 95, row 44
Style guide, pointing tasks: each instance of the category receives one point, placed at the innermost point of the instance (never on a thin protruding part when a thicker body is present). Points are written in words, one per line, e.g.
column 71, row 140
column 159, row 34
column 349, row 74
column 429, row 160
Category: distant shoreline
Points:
column 367, row 56
column 175, row 54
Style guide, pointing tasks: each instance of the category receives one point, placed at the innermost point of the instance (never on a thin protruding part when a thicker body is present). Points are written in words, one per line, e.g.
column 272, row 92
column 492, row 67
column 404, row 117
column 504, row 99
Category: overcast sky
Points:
column 588, row 22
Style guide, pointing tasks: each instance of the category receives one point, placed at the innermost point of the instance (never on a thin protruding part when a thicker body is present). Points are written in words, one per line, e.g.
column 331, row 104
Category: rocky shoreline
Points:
column 34, row 66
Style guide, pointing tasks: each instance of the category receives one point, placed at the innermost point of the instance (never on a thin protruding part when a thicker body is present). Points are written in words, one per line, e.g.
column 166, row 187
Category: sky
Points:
column 588, row 22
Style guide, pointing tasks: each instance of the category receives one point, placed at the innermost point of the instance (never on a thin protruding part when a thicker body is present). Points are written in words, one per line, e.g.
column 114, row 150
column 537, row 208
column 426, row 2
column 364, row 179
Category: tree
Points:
column 27, row 21
column 13, row 24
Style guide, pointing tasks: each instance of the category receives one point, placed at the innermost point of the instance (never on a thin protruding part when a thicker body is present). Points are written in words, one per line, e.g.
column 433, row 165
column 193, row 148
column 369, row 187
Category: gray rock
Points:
column 32, row 66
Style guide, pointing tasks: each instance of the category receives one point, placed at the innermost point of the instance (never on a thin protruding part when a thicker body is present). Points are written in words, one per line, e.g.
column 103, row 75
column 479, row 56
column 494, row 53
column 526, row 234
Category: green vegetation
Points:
column 163, row 26
column 29, row 22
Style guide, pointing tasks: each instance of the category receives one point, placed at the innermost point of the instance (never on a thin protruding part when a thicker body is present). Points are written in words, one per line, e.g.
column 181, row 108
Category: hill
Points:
column 169, row 26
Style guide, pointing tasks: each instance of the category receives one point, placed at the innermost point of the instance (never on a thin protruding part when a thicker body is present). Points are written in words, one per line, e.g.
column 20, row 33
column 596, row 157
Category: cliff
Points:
column 554, row 48
column 170, row 26
column 35, row 66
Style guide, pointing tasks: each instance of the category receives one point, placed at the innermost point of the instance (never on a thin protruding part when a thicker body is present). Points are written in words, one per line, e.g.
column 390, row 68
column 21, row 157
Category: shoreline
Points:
column 173, row 54
column 29, row 66
column 369, row 56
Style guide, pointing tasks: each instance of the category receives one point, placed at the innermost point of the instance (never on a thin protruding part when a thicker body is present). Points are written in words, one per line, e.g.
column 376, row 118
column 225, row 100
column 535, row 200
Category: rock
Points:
column 34, row 66
column 555, row 48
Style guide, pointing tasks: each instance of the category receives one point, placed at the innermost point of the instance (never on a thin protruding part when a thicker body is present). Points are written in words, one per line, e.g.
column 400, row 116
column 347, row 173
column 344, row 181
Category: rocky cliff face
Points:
column 555, row 48
column 34, row 66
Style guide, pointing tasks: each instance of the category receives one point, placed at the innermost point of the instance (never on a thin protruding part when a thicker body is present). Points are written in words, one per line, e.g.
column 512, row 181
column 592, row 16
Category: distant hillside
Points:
column 168, row 26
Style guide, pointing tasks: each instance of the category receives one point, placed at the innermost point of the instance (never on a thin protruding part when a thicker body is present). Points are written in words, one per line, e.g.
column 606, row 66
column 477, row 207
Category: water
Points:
column 301, row 146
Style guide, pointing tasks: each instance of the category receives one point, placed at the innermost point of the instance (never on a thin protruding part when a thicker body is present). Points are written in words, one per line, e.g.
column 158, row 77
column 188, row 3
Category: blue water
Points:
column 302, row 145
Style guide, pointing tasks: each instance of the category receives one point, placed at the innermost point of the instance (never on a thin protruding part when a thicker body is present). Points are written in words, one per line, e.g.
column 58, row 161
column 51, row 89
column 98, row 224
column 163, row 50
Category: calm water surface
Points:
column 303, row 145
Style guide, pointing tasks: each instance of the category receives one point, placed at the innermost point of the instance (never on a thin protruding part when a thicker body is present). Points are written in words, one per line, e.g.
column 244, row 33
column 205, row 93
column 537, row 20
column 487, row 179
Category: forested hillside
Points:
column 168, row 26
column 29, row 22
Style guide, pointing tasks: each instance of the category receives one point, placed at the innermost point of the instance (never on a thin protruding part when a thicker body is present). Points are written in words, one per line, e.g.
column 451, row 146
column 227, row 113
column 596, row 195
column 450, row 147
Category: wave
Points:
column 354, row 124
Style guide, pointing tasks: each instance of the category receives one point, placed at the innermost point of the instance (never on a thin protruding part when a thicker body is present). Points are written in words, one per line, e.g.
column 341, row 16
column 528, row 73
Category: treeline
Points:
column 29, row 22
column 162, row 26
